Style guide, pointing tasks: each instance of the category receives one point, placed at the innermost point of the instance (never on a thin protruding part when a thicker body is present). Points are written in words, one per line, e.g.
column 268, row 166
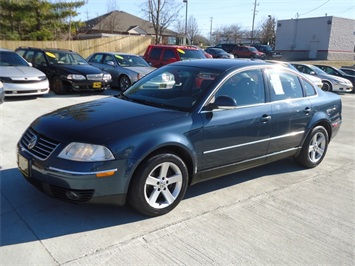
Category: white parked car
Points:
column 330, row 82
column 19, row 77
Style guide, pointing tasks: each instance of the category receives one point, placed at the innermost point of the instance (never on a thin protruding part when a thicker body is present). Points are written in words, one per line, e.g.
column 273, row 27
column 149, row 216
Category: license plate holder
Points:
column 23, row 165
column 97, row 85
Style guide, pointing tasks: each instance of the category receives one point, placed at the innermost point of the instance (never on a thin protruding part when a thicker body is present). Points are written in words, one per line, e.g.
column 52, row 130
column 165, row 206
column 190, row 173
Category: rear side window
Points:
column 284, row 85
column 155, row 53
column 168, row 53
column 308, row 88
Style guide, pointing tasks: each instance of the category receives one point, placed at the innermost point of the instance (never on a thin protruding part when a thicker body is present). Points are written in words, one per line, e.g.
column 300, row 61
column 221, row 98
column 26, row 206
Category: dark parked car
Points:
column 349, row 71
column 337, row 72
column 125, row 69
column 268, row 51
column 66, row 70
column 186, row 122
column 228, row 47
column 218, row 53
column 245, row 51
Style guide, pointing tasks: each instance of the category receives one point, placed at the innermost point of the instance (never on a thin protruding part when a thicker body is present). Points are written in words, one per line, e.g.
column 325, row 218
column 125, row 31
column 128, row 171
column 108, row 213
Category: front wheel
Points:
column 158, row 185
column 314, row 148
column 124, row 83
column 327, row 86
column 57, row 85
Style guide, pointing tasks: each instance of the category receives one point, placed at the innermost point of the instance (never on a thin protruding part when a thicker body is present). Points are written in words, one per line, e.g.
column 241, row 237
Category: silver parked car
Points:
column 125, row 69
column 2, row 92
column 19, row 78
column 330, row 82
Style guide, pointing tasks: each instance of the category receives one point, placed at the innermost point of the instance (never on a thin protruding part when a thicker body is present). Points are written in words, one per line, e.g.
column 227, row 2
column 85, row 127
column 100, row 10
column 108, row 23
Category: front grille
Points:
column 38, row 146
column 94, row 76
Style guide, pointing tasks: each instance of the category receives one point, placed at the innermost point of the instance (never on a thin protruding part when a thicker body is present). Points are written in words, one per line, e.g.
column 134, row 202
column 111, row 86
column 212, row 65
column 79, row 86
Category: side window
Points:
column 284, row 85
column 168, row 53
column 29, row 56
column 39, row 59
column 155, row 53
column 308, row 88
column 96, row 58
column 108, row 58
column 246, row 88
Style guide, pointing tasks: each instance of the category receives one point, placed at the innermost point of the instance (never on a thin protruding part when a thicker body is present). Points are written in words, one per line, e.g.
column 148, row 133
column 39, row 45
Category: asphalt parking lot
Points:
column 275, row 214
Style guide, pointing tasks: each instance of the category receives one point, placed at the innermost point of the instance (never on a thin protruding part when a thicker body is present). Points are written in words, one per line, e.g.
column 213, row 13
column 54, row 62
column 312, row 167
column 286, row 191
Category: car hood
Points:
column 20, row 71
column 335, row 78
column 100, row 121
column 142, row 70
column 79, row 69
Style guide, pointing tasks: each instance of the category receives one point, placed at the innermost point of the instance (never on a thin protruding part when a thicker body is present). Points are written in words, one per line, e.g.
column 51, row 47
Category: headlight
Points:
column 107, row 77
column 83, row 152
column 76, row 77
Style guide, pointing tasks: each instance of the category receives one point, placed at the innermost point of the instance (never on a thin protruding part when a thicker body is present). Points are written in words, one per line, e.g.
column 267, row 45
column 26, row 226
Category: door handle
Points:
column 307, row 110
column 265, row 118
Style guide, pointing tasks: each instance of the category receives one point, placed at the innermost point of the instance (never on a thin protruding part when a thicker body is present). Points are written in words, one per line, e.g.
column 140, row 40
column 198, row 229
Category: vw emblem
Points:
column 32, row 142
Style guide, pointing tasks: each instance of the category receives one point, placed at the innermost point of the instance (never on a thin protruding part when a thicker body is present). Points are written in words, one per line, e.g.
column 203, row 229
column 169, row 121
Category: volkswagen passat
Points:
column 148, row 144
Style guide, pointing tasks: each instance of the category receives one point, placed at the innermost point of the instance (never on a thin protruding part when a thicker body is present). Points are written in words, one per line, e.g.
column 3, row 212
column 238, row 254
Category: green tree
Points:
column 37, row 19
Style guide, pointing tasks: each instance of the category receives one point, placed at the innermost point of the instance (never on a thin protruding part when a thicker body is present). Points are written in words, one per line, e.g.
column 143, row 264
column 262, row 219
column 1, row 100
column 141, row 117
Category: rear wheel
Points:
column 327, row 86
column 314, row 148
column 57, row 85
column 124, row 83
column 158, row 185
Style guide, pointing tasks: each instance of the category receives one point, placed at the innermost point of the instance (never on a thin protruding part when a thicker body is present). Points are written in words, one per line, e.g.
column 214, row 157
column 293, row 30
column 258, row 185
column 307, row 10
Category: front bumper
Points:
column 75, row 186
column 26, row 89
column 87, row 85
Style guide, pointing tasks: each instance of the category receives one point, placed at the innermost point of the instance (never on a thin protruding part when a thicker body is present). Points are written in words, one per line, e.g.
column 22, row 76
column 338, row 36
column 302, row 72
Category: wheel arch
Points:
column 175, row 149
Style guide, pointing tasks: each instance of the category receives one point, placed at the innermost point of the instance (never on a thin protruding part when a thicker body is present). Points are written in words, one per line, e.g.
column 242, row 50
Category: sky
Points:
column 213, row 14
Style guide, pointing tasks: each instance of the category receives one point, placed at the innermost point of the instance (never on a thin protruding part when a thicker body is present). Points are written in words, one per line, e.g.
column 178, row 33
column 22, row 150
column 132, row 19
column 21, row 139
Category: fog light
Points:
column 72, row 195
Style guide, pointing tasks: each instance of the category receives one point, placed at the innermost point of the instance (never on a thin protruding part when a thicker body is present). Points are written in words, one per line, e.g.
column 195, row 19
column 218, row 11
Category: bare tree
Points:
column 268, row 31
column 161, row 13
column 192, row 29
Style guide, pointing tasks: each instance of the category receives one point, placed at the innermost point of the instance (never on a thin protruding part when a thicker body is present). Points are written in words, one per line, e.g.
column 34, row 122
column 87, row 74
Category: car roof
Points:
column 220, row 64
column 174, row 46
column 45, row 49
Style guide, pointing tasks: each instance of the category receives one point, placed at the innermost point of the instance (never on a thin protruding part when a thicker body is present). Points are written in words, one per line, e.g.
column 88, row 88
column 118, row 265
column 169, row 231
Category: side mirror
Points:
column 223, row 102
column 312, row 73
column 110, row 63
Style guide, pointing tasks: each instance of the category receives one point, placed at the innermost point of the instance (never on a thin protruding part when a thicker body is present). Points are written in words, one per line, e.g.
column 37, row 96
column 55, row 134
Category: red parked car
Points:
column 244, row 51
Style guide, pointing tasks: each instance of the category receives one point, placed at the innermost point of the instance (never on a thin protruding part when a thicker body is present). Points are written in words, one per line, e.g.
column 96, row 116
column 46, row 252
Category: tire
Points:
column 326, row 86
column 124, row 83
column 57, row 85
column 158, row 185
column 314, row 148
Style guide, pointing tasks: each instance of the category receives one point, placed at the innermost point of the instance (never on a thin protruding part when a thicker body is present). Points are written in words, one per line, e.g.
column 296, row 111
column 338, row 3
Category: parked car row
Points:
column 37, row 70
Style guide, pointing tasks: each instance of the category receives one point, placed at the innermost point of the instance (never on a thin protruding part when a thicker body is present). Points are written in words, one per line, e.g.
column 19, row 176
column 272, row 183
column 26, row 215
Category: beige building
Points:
column 320, row 38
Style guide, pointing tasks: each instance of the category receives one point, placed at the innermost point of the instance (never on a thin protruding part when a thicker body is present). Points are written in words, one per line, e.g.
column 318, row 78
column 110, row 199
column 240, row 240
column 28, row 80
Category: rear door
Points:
column 291, row 111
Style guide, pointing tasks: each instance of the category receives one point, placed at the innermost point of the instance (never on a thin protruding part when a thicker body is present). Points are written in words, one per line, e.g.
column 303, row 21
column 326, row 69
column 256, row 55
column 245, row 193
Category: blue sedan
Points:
column 184, row 123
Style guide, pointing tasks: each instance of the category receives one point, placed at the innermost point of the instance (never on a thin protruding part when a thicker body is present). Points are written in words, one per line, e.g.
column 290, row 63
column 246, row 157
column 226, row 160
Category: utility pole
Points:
column 252, row 27
column 211, row 30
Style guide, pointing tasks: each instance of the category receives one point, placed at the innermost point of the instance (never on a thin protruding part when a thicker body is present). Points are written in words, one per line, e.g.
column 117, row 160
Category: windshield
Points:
column 177, row 88
column 65, row 57
column 317, row 70
column 130, row 61
column 12, row 59
column 186, row 54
